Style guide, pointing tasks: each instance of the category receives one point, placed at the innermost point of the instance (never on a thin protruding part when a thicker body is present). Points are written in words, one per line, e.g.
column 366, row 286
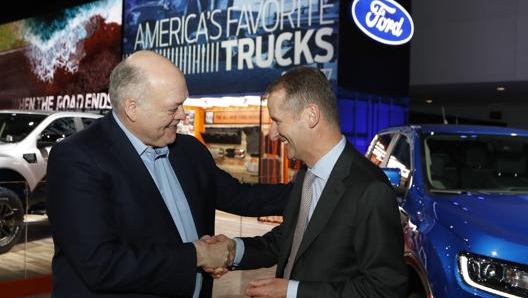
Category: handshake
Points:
column 215, row 254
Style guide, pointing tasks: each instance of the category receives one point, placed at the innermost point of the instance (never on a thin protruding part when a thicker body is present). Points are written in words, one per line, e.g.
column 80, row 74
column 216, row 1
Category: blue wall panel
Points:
column 363, row 115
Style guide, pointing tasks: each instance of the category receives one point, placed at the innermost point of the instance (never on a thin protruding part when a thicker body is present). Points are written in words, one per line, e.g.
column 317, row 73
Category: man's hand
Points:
column 215, row 252
column 217, row 272
column 267, row 288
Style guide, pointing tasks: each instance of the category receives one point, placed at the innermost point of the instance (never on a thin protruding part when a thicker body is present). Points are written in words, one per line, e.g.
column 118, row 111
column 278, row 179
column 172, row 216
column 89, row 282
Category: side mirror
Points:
column 394, row 176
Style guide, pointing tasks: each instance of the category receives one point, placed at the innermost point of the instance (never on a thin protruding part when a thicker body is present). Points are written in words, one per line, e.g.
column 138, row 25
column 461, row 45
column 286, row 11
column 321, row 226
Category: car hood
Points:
column 487, row 222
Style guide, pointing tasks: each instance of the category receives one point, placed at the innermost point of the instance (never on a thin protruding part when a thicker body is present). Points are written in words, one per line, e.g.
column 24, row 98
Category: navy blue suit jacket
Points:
column 113, row 234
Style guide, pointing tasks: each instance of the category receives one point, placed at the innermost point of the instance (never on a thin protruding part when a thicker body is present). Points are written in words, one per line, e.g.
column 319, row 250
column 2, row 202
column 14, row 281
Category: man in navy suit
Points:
column 351, row 241
column 131, row 202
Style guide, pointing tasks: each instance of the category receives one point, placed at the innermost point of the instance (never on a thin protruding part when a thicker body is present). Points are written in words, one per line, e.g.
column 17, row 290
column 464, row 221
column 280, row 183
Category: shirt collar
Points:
column 139, row 146
column 323, row 167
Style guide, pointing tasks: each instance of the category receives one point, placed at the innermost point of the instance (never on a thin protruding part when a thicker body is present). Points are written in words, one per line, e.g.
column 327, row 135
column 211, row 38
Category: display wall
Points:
column 57, row 61
column 367, row 65
column 61, row 61
column 373, row 77
column 235, row 46
column 229, row 51
column 238, row 47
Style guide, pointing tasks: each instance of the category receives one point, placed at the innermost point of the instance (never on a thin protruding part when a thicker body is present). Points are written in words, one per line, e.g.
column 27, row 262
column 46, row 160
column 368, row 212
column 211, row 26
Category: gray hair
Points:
column 127, row 81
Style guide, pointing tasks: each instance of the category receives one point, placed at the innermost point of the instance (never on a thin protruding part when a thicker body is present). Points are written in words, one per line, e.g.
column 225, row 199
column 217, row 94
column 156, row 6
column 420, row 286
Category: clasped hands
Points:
column 215, row 254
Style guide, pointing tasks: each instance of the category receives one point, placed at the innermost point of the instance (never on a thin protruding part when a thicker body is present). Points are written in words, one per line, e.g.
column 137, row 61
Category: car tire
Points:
column 11, row 219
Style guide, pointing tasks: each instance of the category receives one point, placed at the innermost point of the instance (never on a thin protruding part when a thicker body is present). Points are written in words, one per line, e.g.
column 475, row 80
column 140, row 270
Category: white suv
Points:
column 25, row 140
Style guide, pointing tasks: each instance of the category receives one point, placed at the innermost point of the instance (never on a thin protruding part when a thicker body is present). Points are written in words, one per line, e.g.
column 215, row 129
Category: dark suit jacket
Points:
column 114, row 236
column 353, row 244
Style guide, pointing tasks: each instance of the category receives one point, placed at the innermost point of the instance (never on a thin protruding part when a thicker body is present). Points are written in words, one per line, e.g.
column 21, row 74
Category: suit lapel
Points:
column 328, row 200
column 124, row 153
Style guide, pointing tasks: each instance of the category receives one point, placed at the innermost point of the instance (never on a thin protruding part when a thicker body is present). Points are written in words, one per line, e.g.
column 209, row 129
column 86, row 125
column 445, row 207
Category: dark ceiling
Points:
column 485, row 93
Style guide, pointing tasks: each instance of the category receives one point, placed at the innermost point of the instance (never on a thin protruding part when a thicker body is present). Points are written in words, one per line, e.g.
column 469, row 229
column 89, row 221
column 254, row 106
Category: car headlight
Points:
column 493, row 275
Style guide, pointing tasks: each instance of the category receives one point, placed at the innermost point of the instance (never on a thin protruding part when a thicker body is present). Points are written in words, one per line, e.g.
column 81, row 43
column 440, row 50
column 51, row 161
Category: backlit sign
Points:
column 385, row 21
column 222, row 46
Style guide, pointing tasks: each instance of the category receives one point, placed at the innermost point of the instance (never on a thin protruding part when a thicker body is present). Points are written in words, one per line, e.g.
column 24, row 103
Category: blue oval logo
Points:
column 385, row 21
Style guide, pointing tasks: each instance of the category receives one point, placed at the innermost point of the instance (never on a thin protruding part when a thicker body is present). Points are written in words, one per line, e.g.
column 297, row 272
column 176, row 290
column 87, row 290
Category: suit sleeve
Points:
column 261, row 251
column 264, row 251
column 232, row 196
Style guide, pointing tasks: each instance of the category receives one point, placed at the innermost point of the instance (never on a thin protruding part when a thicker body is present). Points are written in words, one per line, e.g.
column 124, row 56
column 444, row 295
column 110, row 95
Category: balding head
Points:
column 153, row 63
column 138, row 74
column 147, row 92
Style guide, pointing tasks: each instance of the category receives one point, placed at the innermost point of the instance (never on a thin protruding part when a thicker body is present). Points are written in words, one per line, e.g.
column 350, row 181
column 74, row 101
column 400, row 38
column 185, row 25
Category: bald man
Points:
column 131, row 202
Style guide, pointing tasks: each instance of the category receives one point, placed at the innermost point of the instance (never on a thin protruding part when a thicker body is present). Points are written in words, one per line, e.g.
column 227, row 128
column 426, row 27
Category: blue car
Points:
column 463, row 196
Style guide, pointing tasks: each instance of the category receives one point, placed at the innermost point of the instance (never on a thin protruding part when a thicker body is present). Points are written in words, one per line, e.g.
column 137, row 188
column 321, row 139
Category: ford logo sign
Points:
column 385, row 21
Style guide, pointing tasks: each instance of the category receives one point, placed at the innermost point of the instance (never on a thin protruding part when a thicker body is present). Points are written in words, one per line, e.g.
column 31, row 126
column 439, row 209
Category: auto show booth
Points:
column 229, row 51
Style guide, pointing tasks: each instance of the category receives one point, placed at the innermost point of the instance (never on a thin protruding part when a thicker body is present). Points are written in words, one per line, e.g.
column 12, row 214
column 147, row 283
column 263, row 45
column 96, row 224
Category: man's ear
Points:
column 131, row 108
column 312, row 114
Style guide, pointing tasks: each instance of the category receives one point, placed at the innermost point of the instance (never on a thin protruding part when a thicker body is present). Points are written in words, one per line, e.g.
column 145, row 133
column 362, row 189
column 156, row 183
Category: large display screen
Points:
column 235, row 46
column 62, row 60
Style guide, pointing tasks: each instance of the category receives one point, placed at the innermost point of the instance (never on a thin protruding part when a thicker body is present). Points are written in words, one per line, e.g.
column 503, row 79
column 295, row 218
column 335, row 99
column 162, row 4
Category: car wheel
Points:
column 11, row 219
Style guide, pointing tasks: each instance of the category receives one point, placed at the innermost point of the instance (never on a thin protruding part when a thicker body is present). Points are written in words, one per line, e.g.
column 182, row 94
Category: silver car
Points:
column 25, row 140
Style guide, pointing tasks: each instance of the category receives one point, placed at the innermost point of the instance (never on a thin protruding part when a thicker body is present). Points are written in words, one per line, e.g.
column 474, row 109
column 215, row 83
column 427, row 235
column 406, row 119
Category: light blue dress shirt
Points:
column 157, row 162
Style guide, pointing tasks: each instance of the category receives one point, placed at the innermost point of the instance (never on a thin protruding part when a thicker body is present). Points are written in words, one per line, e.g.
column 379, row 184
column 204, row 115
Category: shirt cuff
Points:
column 292, row 288
column 239, row 252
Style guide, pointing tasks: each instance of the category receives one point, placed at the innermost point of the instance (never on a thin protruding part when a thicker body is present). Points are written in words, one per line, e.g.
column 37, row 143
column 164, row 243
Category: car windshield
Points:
column 489, row 163
column 16, row 126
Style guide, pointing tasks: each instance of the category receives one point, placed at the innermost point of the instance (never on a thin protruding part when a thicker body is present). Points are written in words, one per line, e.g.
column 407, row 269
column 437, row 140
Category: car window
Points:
column 87, row 121
column 58, row 129
column 378, row 148
column 479, row 162
column 14, row 126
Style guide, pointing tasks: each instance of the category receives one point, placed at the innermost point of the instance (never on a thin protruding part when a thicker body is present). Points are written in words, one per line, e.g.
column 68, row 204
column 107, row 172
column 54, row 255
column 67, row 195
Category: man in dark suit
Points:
column 352, row 245
column 131, row 202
